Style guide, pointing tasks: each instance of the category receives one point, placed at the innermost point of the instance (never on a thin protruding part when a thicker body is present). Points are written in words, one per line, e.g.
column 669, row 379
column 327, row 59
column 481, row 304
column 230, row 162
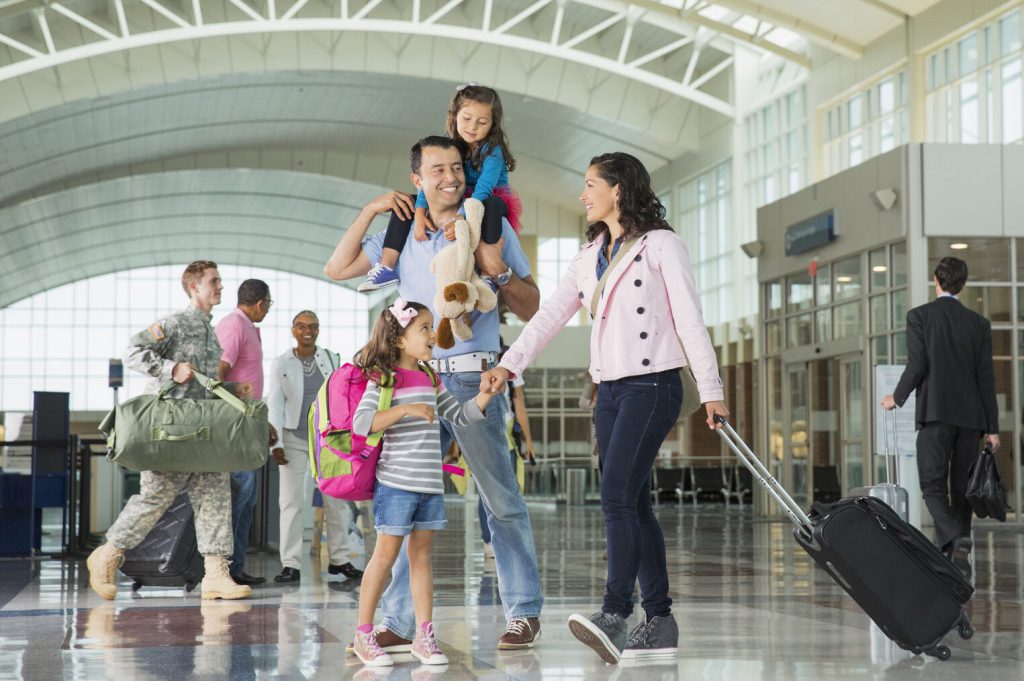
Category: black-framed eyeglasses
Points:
column 269, row 302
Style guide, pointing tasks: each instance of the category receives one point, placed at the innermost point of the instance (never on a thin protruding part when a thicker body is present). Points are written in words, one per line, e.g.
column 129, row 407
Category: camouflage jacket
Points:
column 186, row 337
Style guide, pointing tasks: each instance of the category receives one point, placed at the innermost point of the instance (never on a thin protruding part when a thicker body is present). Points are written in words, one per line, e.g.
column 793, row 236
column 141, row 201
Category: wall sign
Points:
column 811, row 233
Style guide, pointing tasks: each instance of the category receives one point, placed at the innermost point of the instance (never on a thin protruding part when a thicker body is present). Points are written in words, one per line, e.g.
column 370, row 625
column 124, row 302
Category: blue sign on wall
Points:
column 811, row 233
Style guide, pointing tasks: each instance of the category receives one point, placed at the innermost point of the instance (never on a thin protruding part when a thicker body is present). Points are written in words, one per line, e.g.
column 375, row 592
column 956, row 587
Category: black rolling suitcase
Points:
column 905, row 585
column 169, row 555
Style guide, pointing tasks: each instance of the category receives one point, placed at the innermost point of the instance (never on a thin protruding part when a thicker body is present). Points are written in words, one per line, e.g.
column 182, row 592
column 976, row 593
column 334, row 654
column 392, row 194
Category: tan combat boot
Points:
column 218, row 583
column 103, row 564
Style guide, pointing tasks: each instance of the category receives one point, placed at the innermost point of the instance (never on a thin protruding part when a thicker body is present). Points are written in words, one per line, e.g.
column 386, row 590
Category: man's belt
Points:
column 472, row 361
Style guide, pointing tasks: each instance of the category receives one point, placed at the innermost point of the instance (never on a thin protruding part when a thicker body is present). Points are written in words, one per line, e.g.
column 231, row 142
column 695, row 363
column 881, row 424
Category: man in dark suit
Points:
column 949, row 364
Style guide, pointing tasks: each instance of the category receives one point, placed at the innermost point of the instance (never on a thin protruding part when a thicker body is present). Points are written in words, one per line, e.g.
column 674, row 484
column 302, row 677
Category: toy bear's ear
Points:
column 445, row 337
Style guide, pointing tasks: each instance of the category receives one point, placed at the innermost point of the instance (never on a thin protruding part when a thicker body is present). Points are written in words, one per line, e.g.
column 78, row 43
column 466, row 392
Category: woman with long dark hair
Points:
column 634, row 276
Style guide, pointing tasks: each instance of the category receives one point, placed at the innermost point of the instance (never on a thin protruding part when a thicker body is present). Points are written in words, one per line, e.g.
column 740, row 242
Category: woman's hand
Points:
column 279, row 457
column 716, row 408
column 493, row 381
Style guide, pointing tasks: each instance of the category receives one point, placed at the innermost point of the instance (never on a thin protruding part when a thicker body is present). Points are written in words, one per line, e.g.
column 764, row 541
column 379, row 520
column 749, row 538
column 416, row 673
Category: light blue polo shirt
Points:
column 416, row 282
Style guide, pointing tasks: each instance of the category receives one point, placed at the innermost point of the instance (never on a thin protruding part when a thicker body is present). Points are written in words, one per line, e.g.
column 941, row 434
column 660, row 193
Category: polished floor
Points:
column 749, row 603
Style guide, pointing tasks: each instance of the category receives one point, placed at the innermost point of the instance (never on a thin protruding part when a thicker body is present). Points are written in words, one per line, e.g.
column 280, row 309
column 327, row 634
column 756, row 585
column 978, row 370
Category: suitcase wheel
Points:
column 136, row 586
column 189, row 586
column 942, row 652
column 966, row 630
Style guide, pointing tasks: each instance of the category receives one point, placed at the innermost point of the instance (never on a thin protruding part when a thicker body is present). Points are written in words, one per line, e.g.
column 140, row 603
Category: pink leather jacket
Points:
column 648, row 320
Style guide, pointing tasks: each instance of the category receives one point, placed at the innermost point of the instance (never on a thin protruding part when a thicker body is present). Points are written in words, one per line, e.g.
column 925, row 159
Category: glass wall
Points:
column 994, row 290
column 705, row 225
column 553, row 258
column 815, row 410
column 559, row 426
column 776, row 149
column 865, row 124
column 974, row 92
column 63, row 339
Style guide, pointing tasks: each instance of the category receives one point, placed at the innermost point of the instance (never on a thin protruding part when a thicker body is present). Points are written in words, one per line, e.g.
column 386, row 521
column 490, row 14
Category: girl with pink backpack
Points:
column 409, row 494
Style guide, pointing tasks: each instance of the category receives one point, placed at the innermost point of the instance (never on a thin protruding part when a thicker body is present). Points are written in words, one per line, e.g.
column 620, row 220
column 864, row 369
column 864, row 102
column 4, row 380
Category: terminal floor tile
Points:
column 749, row 603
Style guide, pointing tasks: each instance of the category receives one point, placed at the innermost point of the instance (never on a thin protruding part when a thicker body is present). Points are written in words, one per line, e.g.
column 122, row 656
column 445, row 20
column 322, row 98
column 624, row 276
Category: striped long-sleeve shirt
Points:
column 411, row 456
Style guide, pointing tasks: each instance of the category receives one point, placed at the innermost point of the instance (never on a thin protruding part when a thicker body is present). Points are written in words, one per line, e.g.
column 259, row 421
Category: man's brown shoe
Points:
column 521, row 632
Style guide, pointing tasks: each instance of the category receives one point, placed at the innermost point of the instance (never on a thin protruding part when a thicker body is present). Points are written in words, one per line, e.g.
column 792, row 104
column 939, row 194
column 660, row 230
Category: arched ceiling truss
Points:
column 677, row 51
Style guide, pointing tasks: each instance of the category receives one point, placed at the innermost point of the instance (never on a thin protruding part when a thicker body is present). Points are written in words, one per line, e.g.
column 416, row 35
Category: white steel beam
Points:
column 624, row 46
column 367, row 8
column 522, row 16
column 694, row 56
column 610, row 60
column 816, row 34
column 556, row 28
column 256, row 16
column 594, row 30
column 662, row 51
column 166, row 13
column 20, row 47
column 122, row 18
column 292, row 11
column 43, row 27
column 82, row 21
column 439, row 14
column 712, row 72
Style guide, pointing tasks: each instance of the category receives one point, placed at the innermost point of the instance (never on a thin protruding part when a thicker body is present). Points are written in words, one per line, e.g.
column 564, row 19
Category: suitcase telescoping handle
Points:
column 892, row 449
column 764, row 476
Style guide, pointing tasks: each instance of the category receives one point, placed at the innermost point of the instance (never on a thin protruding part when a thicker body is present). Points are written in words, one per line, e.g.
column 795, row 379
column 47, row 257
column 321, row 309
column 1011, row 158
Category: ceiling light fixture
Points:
column 960, row 246
column 844, row 280
column 879, row 268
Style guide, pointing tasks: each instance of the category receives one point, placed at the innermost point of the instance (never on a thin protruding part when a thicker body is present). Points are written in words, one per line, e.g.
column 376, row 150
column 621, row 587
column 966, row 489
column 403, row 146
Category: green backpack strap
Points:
column 383, row 403
column 429, row 371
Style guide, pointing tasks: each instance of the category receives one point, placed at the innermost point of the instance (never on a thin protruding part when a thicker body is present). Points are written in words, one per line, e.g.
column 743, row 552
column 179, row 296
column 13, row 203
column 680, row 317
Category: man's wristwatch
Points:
column 503, row 278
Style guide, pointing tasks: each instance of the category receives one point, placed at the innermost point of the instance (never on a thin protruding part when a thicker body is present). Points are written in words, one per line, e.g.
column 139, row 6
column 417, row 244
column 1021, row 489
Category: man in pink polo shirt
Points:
column 242, row 360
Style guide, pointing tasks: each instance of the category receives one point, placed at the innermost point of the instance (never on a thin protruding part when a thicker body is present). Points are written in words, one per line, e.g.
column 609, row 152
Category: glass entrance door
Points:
column 852, row 410
column 824, row 429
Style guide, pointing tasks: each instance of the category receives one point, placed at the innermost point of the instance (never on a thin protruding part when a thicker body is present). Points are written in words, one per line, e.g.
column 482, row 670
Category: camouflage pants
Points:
column 209, row 494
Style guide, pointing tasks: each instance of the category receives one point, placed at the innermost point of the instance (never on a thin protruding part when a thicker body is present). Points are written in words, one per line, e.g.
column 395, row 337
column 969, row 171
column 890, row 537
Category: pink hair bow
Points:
column 403, row 314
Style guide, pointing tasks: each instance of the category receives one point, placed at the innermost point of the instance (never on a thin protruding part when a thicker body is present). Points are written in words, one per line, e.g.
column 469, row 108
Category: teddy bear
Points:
column 460, row 290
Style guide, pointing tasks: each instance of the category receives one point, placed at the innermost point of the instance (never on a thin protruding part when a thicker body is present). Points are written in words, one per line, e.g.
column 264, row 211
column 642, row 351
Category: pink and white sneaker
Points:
column 424, row 646
column 369, row 652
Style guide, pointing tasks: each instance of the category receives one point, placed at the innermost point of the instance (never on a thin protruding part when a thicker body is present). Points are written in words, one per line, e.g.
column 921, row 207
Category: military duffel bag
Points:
column 178, row 435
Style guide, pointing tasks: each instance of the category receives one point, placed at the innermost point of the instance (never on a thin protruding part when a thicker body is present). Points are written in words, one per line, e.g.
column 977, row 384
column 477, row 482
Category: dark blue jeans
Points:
column 243, row 502
column 633, row 415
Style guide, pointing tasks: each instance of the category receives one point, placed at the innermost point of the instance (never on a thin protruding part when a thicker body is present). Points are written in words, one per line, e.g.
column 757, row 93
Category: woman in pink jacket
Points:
column 647, row 325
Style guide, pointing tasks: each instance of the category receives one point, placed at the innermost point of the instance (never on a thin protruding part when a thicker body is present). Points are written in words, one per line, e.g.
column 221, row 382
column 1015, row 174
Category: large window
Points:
column 974, row 93
column 553, row 258
column 706, row 228
column 777, row 149
column 867, row 123
column 63, row 339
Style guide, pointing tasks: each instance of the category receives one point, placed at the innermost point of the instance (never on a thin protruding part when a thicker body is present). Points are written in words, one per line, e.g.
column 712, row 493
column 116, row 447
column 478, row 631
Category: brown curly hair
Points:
column 639, row 208
column 379, row 357
column 495, row 138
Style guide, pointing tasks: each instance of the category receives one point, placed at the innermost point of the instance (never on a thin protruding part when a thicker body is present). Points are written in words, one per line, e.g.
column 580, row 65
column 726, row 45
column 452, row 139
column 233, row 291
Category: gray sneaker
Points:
column 656, row 639
column 605, row 632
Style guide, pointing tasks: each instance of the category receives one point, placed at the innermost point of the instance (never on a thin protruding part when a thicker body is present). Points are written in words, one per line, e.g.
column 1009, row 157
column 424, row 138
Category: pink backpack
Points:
column 343, row 464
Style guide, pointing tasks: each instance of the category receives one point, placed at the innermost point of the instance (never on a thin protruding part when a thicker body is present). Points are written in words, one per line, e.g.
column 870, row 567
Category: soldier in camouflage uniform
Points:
column 169, row 350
